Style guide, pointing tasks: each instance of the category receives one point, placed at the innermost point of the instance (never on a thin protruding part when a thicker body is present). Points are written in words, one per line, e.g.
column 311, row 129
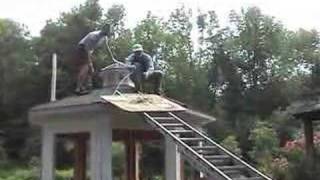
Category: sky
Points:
column 293, row 14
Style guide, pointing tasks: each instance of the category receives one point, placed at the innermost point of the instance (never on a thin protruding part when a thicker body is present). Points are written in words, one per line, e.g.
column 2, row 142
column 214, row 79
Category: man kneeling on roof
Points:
column 143, row 70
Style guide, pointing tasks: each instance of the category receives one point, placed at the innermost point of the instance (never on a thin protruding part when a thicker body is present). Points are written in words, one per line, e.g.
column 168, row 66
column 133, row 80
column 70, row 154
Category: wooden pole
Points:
column 182, row 169
column 54, row 77
column 132, row 157
column 138, row 150
column 80, row 157
column 308, row 133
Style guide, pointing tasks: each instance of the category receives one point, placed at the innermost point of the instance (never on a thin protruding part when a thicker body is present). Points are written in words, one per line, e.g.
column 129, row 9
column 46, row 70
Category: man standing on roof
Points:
column 143, row 70
column 84, row 64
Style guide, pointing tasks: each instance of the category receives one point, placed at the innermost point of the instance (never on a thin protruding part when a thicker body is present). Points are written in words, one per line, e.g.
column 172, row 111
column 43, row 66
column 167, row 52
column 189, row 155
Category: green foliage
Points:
column 13, row 171
column 152, row 168
column 264, row 140
column 118, row 159
column 64, row 174
column 232, row 144
column 150, row 34
column 27, row 174
column 17, row 69
column 266, row 149
column 21, row 175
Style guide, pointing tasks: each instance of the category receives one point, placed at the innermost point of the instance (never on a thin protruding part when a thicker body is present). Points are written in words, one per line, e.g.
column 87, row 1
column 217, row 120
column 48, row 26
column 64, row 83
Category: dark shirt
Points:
column 92, row 40
column 144, row 59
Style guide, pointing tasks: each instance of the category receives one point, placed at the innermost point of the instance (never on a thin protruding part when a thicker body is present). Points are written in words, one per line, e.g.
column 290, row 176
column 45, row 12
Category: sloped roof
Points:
column 95, row 98
column 92, row 98
column 308, row 108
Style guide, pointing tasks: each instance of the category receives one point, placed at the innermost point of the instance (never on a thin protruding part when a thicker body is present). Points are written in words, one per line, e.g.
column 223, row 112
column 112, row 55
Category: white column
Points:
column 101, row 151
column 48, row 157
column 172, row 160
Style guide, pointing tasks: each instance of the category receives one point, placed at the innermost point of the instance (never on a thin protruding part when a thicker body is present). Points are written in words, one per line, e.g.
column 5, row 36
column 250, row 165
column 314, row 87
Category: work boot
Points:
column 81, row 91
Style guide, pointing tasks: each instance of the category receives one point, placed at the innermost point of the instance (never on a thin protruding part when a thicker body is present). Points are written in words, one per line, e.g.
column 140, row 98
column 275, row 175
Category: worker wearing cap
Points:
column 83, row 59
column 143, row 69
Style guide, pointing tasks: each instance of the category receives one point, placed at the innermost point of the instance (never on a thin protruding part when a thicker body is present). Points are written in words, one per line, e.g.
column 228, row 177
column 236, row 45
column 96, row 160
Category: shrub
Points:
column 299, row 166
column 265, row 141
column 64, row 174
column 265, row 148
column 232, row 144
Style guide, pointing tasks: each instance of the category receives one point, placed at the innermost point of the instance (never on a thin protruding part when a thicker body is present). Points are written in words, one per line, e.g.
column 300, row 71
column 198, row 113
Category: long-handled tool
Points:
column 116, row 62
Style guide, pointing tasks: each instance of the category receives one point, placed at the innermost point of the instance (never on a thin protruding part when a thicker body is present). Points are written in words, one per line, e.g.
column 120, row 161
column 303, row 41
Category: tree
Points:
column 122, row 38
column 178, row 54
column 306, row 44
column 17, row 65
column 150, row 33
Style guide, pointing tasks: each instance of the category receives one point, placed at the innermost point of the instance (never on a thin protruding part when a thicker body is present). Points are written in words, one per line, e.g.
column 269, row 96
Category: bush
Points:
column 12, row 171
column 22, row 174
column 265, row 141
column 232, row 145
column 265, row 148
column 64, row 174
column 299, row 166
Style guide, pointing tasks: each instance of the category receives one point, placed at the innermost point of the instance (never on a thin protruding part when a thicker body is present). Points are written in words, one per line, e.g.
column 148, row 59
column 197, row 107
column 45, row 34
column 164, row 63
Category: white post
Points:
column 201, row 173
column 54, row 77
column 48, row 145
column 101, row 151
column 172, row 160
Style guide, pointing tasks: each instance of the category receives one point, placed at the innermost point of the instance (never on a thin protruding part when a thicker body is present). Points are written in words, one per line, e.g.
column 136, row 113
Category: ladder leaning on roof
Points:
column 208, row 156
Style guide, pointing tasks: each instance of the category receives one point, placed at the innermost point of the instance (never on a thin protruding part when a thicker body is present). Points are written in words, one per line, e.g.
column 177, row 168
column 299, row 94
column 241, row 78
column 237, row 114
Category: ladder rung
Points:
column 203, row 147
column 206, row 152
column 233, row 173
column 191, row 139
column 172, row 124
column 216, row 157
column 249, row 178
column 221, row 162
column 181, row 131
column 163, row 118
column 235, row 167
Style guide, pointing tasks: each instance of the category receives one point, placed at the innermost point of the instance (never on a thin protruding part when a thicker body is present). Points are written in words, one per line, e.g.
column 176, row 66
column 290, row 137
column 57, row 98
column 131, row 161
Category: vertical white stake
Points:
column 54, row 77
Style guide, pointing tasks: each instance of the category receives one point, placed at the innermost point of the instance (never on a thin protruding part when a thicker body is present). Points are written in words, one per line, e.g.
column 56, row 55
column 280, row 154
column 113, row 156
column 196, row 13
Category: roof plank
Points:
column 142, row 103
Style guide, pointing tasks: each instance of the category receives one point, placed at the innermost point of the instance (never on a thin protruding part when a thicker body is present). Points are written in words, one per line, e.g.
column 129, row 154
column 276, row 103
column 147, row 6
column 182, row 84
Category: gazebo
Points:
column 94, row 123
column 307, row 110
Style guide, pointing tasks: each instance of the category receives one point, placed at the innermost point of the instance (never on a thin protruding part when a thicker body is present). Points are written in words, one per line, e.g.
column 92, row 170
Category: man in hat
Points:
column 84, row 51
column 143, row 70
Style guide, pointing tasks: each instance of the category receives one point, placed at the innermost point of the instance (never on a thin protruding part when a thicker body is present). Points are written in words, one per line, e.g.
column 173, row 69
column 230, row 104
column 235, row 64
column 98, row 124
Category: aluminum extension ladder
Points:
column 206, row 155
